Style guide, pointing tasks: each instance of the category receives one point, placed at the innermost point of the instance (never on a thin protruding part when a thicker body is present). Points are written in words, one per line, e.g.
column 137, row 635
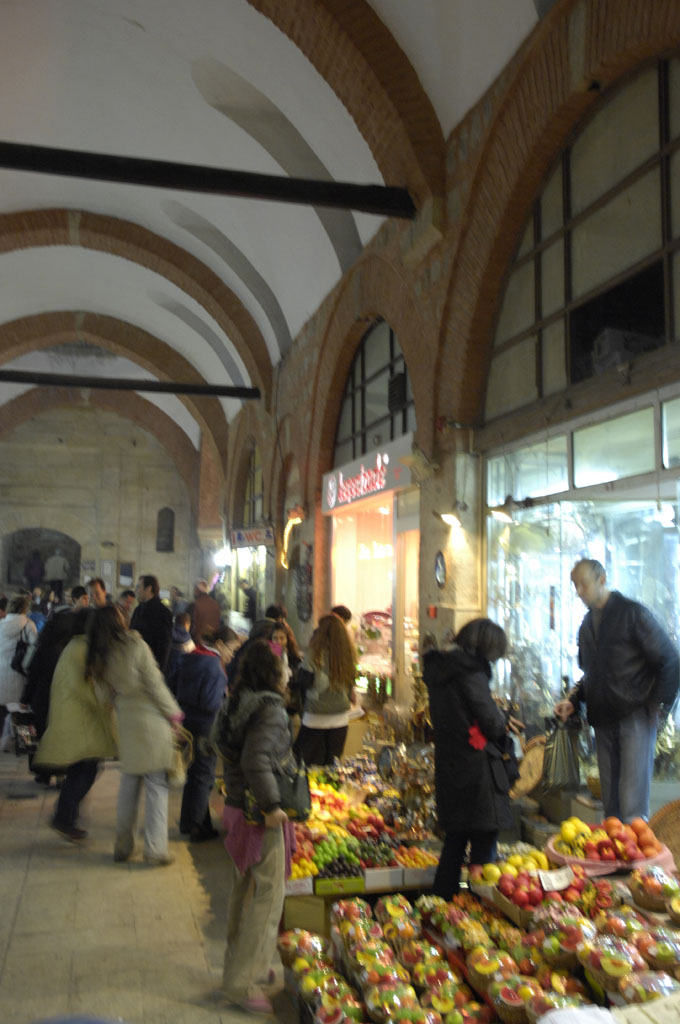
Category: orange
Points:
column 649, row 851
column 645, row 837
column 611, row 825
column 638, row 824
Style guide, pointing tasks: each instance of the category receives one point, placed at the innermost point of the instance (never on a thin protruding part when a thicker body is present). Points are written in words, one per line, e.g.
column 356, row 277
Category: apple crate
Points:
column 521, row 916
column 349, row 885
column 384, row 879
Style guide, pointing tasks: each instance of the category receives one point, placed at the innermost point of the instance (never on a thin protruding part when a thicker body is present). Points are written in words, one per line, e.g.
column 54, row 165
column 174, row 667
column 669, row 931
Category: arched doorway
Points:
column 17, row 548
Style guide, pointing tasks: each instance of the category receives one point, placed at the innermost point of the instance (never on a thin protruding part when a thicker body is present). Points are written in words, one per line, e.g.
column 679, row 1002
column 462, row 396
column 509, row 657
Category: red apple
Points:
column 520, row 897
column 535, row 895
column 554, row 895
column 571, row 895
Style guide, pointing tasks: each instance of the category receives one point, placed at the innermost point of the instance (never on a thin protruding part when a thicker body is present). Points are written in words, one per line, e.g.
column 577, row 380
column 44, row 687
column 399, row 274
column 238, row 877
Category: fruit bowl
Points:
column 390, row 907
column 594, row 868
column 623, row 923
column 297, row 942
column 609, row 960
column 510, row 996
column 432, row 973
column 644, row 986
column 652, row 887
column 350, row 910
column 416, row 951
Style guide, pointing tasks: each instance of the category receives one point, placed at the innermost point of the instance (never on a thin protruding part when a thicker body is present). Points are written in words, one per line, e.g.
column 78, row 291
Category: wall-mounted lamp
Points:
column 295, row 516
column 503, row 513
column 452, row 518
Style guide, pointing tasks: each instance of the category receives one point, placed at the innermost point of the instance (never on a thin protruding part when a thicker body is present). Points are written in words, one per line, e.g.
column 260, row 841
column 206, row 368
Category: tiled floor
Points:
column 81, row 936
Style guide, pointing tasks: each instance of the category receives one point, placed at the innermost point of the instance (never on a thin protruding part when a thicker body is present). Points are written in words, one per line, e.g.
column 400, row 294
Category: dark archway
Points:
column 17, row 548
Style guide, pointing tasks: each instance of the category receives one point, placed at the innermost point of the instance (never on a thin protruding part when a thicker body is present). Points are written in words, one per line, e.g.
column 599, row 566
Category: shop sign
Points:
column 377, row 471
column 252, row 537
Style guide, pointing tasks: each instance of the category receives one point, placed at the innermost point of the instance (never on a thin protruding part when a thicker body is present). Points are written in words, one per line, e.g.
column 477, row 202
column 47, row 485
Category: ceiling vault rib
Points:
column 383, row 200
column 125, row 384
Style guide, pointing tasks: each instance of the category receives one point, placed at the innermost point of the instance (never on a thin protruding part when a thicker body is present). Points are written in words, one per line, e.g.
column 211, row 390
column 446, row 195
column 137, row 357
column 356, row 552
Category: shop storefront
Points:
column 253, row 550
column 604, row 489
column 374, row 562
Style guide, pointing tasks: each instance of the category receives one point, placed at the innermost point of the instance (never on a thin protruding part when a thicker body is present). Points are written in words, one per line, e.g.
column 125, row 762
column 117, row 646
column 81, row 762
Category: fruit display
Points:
column 660, row 947
column 313, row 981
column 415, row 1015
column 543, row 1002
column 331, row 1010
column 563, row 938
column 447, row 996
column 383, row 1000
column 611, row 841
column 432, row 974
column 390, row 907
column 623, row 923
column 652, row 887
column 609, row 960
column 298, row 943
column 471, row 1013
column 415, row 857
column 486, row 965
column 645, row 986
column 417, row 951
column 376, row 972
column 509, row 997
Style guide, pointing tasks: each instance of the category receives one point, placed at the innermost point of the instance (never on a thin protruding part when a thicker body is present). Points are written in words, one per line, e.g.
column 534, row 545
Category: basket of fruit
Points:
column 297, row 943
column 622, row 923
column 430, row 974
column 608, row 847
column 543, row 1002
column 645, row 986
column 563, row 938
column 652, row 887
column 660, row 947
column 446, row 997
column 383, row 1000
column 608, row 960
column 486, row 965
column 510, row 996
column 471, row 1013
column 673, row 909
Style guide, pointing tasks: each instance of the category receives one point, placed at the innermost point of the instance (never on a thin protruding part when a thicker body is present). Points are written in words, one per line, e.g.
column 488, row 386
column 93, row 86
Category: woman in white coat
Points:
column 12, row 682
column 120, row 661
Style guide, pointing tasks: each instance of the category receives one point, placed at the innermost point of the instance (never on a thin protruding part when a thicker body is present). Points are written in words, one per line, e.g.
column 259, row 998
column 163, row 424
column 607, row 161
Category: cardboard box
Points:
column 384, row 879
column 518, row 915
column 419, row 878
column 309, row 912
column 300, row 886
column 340, row 886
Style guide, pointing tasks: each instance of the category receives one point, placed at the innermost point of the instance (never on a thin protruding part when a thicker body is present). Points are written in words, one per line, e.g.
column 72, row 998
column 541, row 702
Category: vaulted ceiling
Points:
column 130, row 281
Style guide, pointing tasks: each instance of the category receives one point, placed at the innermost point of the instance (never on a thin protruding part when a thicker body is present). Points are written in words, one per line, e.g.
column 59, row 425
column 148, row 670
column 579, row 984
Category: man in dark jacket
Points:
column 153, row 620
column 630, row 675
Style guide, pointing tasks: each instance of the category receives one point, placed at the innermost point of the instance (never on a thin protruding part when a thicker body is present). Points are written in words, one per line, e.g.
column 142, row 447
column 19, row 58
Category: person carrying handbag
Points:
column 472, row 771
column 15, row 626
column 256, row 740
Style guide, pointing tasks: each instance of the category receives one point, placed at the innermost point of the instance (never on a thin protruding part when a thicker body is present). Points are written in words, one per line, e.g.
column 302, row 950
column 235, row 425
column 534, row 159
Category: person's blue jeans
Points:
column 77, row 784
column 625, row 756
column 195, row 811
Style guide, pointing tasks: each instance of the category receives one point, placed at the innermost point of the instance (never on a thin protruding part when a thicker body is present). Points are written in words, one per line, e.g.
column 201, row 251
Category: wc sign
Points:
column 374, row 473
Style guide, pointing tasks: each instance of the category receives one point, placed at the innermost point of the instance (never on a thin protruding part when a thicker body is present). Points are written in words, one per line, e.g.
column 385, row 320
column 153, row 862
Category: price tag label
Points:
column 555, row 881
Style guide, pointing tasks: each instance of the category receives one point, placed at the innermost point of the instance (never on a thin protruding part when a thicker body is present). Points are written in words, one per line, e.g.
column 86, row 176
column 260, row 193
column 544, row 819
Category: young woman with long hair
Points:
column 332, row 660
column 257, row 738
column 122, row 664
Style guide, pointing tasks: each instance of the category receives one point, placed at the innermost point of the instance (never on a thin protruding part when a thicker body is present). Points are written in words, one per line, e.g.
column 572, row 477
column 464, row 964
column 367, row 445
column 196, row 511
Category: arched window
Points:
column 253, row 505
column 595, row 281
column 378, row 402
column 165, row 530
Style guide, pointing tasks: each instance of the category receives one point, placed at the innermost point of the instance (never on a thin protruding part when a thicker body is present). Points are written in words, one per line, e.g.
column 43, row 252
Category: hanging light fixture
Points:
column 295, row 517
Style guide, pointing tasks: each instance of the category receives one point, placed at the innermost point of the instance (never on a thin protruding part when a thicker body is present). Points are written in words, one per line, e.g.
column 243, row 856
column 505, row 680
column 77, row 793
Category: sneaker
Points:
column 70, row 832
column 159, row 862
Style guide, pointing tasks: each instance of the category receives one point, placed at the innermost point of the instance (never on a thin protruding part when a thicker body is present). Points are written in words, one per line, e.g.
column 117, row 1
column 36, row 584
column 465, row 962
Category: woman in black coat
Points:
column 471, row 785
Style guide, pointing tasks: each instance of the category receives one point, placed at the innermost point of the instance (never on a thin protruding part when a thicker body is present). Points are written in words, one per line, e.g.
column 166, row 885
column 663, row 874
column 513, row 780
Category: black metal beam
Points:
column 384, row 200
column 60, row 380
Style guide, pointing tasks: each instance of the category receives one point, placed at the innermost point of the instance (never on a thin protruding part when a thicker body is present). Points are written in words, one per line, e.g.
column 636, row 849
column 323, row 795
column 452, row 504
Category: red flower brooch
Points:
column 476, row 737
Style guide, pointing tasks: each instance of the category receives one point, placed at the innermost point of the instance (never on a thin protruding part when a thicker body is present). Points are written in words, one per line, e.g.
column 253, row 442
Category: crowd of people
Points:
column 122, row 678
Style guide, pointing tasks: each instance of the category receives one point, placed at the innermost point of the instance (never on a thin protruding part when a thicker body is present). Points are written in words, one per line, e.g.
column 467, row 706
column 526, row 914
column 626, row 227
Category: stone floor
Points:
column 83, row 937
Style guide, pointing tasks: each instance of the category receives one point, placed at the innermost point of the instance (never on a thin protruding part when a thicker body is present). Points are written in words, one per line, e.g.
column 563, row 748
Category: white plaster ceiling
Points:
column 211, row 82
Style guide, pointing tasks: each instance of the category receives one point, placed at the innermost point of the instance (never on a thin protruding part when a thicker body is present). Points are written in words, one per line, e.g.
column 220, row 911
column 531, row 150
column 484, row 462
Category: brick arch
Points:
column 352, row 49
column 127, row 405
column 374, row 289
column 252, row 426
column 46, row 329
column 581, row 48
column 35, row 228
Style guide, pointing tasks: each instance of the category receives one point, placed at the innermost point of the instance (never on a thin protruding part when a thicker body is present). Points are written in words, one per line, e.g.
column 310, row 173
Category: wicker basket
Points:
column 595, row 786
column 666, row 827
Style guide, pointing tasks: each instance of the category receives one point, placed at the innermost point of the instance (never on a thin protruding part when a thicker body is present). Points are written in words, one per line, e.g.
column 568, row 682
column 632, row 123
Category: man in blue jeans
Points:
column 630, row 677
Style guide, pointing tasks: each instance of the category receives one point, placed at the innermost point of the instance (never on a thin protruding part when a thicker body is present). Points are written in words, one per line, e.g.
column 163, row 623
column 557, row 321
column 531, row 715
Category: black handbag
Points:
column 503, row 763
column 17, row 662
column 294, row 795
